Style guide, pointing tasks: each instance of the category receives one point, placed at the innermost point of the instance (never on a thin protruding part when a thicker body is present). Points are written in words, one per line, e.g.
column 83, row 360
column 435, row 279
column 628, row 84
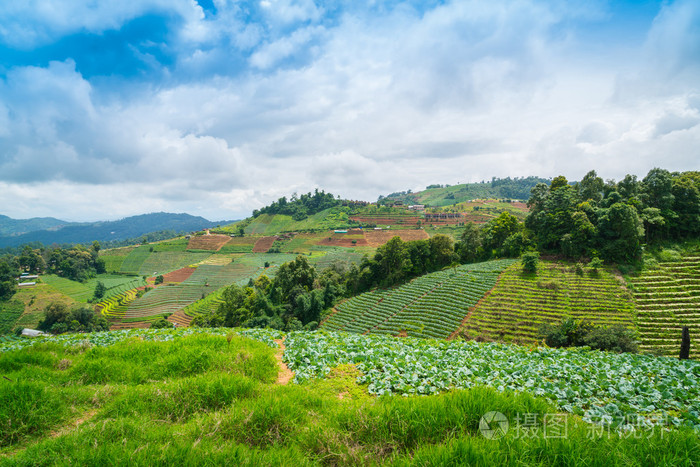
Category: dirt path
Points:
column 285, row 375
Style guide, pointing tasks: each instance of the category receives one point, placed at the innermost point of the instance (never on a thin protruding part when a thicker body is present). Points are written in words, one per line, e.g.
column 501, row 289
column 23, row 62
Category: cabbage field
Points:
column 623, row 390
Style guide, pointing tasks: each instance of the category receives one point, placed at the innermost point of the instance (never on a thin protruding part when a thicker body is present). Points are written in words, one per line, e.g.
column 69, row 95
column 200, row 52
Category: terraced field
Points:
column 133, row 262
column 172, row 298
column 668, row 298
column 166, row 261
column 520, row 303
column 208, row 242
column 114, row 257
column 82, row 291
column 432, row 305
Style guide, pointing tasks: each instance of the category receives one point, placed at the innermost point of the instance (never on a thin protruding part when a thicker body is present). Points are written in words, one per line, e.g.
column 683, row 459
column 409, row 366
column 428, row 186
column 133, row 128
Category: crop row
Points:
column 132, row 263
column 668, row 298
column 429, row 306
column 597, row 386
column 520, row 304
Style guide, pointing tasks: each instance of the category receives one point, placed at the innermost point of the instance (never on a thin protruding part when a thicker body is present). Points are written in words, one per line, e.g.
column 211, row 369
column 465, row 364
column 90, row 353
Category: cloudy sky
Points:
column 215, row 107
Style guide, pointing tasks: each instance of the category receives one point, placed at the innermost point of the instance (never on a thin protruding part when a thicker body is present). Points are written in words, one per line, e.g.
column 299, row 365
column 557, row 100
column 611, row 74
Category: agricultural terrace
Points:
column 263, row 244
column 238, row 245
column 114, row 257
column 668, row 298
column 163, row 262
column 483, row 210
column 133, row 262
column 205, row 280
column 520, row 303
column 377, row 238
column 211, row 242
column 83, row 291
column 35, row 301
column 175, row 244
column 433, row 305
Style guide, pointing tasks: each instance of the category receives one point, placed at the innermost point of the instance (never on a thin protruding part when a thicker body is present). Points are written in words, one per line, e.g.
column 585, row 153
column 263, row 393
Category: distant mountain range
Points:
column 47, row 230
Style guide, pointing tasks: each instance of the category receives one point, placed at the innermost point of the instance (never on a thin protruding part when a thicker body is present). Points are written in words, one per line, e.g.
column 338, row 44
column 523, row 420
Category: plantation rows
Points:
column 433, row 305
column 115, row 306
column 162, row 263
column 668, row 298
column 201, row 285
column 521, row 303
column 82, row 292
column 133, row 262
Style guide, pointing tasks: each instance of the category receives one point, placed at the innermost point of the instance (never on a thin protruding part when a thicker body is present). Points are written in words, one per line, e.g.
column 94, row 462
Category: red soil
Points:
column 378, row 238
column 264, row 244
column 208, row 242
column 179, row 275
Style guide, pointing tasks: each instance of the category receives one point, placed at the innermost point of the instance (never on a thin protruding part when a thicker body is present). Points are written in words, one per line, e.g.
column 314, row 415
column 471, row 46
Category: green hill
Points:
column 445, row 195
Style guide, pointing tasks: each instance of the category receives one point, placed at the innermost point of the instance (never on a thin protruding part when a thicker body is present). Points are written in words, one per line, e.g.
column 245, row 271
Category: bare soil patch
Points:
column 178, row 275
column 285, row 375
column 376, row 238
column 264, row 244
column 212, row 242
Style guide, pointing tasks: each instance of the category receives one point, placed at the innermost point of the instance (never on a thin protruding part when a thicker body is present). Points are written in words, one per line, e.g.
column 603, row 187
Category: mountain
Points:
column 445, row 195
column 9, row 226
column 130, row 227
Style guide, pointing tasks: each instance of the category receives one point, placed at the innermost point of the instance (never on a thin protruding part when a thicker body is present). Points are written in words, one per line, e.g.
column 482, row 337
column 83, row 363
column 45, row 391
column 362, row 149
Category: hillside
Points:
column 668, row 298
column 433, row 305
column 445, row 195
column 216, row 396
column 129, row 227
column 520, row 303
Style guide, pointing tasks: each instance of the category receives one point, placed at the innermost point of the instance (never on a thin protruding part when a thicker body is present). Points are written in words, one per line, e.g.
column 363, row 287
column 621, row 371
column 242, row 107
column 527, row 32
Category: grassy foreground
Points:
column 208, row 399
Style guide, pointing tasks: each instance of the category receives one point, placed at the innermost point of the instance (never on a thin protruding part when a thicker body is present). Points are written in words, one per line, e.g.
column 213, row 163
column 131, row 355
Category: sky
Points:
column 217, row 107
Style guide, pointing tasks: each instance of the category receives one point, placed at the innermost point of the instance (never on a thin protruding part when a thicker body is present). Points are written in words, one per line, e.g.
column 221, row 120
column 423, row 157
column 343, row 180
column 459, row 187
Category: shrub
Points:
column 595, row 264
column 530, row 260
column 568, row 333
column 159, row 279
column 615, row 338
column 162, row 323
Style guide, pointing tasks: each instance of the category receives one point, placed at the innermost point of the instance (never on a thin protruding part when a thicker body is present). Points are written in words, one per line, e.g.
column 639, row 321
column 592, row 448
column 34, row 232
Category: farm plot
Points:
column 263, row 244
column 133, row 262
column 605, row 388
column 174, row 297
column 668, row 298
column 10, row 311
column 208, row 242
column 164, row 262
column 114, row 257
column 520, row 303
column 176, row 244
column 432, row 305
column 83, row 291
column 377, row 238
column 238, row 245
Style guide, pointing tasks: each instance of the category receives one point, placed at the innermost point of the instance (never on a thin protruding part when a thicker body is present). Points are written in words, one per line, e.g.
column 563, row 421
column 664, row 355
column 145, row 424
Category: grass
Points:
column 201, row 401
column 10, row 311
column 35, row 300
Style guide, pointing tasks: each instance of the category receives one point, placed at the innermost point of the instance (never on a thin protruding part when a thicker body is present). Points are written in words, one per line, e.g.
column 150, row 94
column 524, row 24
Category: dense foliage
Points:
column 592, row 218
column 59, row 319
column 577, row 333
column 300, row 207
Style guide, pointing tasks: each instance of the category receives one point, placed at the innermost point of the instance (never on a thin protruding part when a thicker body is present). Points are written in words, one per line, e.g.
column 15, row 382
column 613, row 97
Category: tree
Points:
column 529, row 260
column 441, row 251
column 100, row 290
column 497, row 230
column 591, row 187
column 620, row 232
column 469, row 246
column 393, row 261
column 8, row 273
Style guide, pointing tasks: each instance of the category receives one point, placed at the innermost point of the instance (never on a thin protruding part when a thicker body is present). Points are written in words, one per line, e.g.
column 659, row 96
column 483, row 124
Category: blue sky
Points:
column 112, row 108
